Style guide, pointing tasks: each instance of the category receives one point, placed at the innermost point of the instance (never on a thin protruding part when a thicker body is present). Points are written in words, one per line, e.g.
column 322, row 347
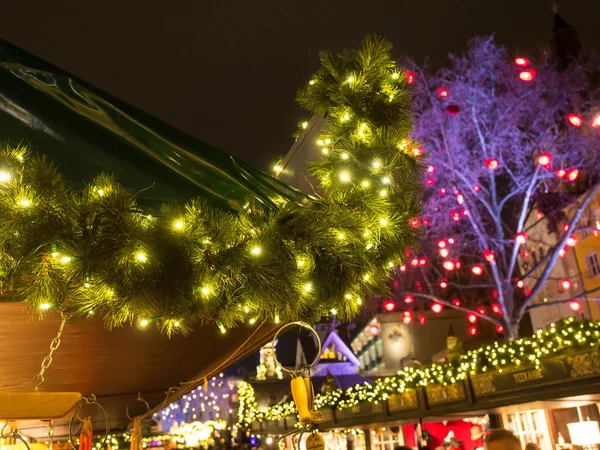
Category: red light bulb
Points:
column 477, row 270
column 389, row 305
column 575, row 120
column 444, row 252
column 456, row 302
column 481, row 310
column 565, row 283
column 441, row 243
column 499, row 329
column 491, row 163
column 422, row 319
column 521, row 238
column 489, row 255
column 459, row 198
column 520, row 284
column 472, row 318
column 444, row 283
column 443, row 93
column 527, row 75
column 451, row 241
column 410, row 77
column 437, row 307
column 429, row 181
column 430, row 169
column 521, row 61
column 544, row 159
column 572, row 174
column 407, row 318
column 539, row 214
column 496, row 308
column 524, row 253
column 476, row 188
column 408, row 299
column 374, row 329
column 560, row 173
column 448, row 265
column 414, row 262
column 595, row 121
column 455, row 216
column 575, row 305
column 572, row 241
column 442, row 192
column 472, row 330
column 403, row 268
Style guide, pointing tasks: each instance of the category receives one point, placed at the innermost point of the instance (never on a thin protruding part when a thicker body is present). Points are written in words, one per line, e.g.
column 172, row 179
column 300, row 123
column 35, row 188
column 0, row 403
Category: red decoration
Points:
column 442, row 192
column 596, row 121
column 459, row 198
column 374, row 329
column 477, row 270
column 464, row 212
column 389, row 305
column 527, row 75
column 408, row 299
column 491, row 163
column 496, row 308
column 452, row 109
column 443, row 93
column 520, row 284
column 566, row 227
column 430, row 169
column 422, row 319
column 456, row 263
column 451, row 241
column 456, row 302
column 444, row 252
column 441, row 243
column 414, row 262
column 562, row 252
column 521, row 61
column 407, row 318
column 575, row 120
column 572, row 241
column 476, row 188
column 414, row 222
column 495, row 293
column 521, row 238
column 524, row 253
column 417, row 151
column 489, row 255
column 481, row 310
column 544, row 159
column 472, row 330
column 565, row 283
column 437, row 307
column 422, row 261
column 443, row 283
column 499, row 329
column 528, row 292
column 426, row 221
column 539, row 214
column 429, row 181
column 455, row 215
column 560, row 173
column 410, row 77
column 448, row 265
column 472, row 318
column 575, row 305
column 572, row 174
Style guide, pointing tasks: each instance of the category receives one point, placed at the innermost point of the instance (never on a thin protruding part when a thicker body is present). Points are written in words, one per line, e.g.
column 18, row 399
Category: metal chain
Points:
column 51, row 434
column 47, row 361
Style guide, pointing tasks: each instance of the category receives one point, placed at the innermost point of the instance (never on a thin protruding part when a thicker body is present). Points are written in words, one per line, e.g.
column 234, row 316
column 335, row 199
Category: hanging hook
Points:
column 91, row 400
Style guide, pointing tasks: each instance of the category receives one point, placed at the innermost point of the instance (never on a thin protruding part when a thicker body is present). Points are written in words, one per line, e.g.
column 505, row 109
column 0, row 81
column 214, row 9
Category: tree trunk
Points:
column 512, row 331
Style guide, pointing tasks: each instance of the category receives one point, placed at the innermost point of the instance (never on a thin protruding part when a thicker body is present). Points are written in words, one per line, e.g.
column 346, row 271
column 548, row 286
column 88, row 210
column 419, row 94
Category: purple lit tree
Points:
column 508, row 141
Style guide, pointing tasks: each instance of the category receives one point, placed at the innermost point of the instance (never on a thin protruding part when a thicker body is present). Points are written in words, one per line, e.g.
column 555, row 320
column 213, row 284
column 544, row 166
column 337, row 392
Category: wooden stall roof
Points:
column 114, row 364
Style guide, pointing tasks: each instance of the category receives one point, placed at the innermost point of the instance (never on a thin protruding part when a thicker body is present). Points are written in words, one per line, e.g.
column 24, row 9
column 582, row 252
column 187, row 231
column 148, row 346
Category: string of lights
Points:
column 566, row 335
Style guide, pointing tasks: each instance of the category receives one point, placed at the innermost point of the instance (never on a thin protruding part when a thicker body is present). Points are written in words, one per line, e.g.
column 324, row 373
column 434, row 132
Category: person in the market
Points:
column 502, row 439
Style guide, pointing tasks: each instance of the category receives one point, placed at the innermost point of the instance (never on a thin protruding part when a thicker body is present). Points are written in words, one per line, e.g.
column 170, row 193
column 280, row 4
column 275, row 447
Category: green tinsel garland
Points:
column 528, row 352
column 95, row 252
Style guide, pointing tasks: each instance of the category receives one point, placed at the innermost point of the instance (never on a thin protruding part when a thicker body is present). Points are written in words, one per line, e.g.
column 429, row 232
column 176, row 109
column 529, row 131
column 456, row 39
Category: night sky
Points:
column 227, row 71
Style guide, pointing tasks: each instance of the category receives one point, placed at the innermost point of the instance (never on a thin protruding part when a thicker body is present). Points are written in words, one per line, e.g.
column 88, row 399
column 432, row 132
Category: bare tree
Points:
column 507, row 141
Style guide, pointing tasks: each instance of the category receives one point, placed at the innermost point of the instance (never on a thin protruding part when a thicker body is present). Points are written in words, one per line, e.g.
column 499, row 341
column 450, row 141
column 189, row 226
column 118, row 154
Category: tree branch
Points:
column 548, row 269
column 558, row 302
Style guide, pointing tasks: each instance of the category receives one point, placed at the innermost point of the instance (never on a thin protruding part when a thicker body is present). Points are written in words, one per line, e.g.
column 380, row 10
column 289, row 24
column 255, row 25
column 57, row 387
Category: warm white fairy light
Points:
column 65, row 259
column 366, row 183
column 345, row 175
column 144, row 322
column 383, row 192
column 376, row 164
column 141, row 257
column 45, row 306
column 25, row 203
column 256, row 250
column 4, row 176
column 178, row 224
column 205, row 290
column 383, row 222
column 308, row 287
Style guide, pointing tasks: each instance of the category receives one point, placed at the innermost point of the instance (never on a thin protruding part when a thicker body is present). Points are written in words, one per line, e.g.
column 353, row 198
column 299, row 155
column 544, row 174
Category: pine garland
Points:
column 94, row 251
column 565, row 335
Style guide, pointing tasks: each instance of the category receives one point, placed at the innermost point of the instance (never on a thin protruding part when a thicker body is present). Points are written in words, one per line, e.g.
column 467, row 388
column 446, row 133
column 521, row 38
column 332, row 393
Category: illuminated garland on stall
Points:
column 94, row 251
column 564, row 335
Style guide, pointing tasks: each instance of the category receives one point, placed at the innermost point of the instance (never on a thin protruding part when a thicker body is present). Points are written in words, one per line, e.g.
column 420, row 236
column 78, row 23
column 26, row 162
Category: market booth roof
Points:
column 87, row 131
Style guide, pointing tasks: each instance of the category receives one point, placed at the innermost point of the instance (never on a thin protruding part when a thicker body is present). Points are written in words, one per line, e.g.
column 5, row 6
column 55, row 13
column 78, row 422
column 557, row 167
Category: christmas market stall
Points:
column 155, row 260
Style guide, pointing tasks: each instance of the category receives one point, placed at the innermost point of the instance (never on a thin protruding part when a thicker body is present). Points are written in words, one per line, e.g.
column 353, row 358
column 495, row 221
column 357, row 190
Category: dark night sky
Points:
column 227, row 71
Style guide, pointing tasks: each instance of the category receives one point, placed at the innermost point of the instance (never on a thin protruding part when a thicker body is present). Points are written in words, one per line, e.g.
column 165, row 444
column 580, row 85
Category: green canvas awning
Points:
column 88, row 131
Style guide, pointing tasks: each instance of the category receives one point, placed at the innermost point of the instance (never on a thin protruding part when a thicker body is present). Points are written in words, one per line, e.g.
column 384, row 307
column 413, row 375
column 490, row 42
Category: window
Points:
column 529, row 426
column 591, row 260
column 384, row 439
